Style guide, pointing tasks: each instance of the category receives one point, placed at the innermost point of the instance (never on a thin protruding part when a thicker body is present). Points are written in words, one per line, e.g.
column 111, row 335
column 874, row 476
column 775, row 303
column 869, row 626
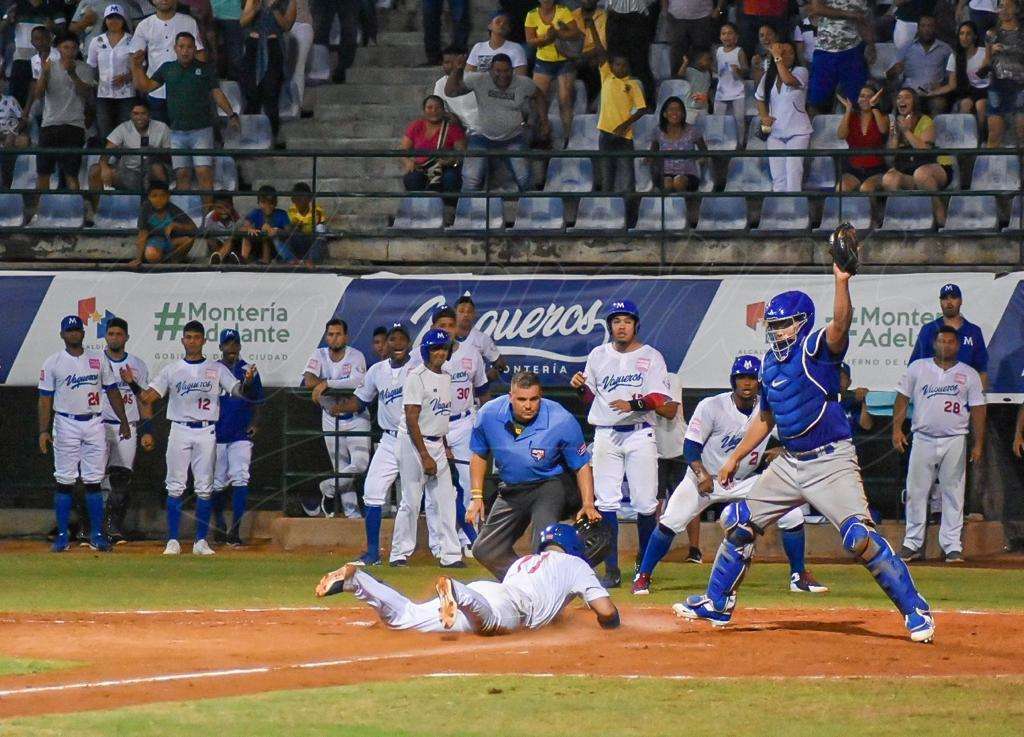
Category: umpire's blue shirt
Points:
column 545, row 448
column 972, row 344
column 236, row 412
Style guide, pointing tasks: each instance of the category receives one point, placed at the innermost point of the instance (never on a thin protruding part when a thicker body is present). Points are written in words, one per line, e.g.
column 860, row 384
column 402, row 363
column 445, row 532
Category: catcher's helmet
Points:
column 785, row 311
column 435, row 339
column 622, row 307
column 745, row 365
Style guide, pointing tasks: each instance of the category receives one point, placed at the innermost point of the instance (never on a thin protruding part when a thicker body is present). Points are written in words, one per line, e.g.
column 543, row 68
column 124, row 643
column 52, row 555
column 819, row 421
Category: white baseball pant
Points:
column 194, row 447
column 348, row 455
column 382, row 472
column 79, row 449
column 415, row 484
column 232, row 467
column 633, row 454
column 946, row 460
column 687, row 502
column 120, row 452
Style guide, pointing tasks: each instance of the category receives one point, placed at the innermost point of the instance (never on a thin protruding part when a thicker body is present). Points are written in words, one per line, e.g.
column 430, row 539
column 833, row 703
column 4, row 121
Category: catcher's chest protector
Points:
column 798, row 389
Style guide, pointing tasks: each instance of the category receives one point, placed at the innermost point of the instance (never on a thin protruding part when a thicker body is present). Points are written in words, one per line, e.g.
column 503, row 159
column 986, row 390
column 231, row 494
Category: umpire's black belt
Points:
column 504, row 488
column 80, row 418
column 194, row 425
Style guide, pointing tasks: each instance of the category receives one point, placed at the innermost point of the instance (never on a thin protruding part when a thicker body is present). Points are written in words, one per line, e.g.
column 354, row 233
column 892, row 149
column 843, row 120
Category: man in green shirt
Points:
column 190, row 85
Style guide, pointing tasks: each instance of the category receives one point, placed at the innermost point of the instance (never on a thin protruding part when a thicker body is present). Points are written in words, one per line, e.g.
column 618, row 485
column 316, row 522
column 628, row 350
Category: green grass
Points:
column 25, row 666
column 526, row 707
column 45, row 582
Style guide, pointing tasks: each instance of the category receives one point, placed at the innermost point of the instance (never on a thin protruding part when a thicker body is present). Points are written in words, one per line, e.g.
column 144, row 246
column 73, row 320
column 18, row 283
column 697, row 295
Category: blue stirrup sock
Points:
column 173, row 517
column 239, row 496
column 202, row 518
column 612, row 520
column 657, row 548
column 645, row 524
column 793, row 544
column 62, row 503
column 94, row 503
column 372, row 523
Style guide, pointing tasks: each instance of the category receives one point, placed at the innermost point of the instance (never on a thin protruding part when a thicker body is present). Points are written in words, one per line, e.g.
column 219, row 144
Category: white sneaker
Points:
column 201, row 547
column 467, row 551
column 173, row 547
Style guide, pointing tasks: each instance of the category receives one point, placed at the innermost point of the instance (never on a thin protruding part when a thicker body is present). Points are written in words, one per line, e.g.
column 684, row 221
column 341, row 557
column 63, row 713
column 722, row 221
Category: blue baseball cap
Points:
column 229, row 335
column 950, row 290
column 844, row 368
column 71, row 322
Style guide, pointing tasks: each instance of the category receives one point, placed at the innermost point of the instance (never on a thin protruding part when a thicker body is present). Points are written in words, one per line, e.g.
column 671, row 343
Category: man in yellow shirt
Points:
column 308, row 223
column 591, row 20
column 622, row 104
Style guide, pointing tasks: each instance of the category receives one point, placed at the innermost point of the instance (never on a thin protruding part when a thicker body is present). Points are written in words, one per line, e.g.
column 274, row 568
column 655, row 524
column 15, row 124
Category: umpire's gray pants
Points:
column 513, row 510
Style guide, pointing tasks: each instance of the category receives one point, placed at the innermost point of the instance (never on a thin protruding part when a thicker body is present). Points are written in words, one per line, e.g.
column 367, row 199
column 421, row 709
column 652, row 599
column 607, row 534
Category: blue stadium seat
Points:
column 419, row 213
column 584, row 133
column 821, row 172
column 192, row 204
column 748, row 174
column 233, row 92
column 25, row 172
column 971, row 214
column 539, row 213
column 754, row 142
column 722, row 213
column 601, row 213
column 319, row 69
column 908, row 213
column 661, row 61
column 784, row 213
column 856, row 211
column 885, row 57
column 672, row 88
column 719, row 131
column 996, row 172
column 643, row 132
column 570, row 175
column 642, row 181
column 579, row 101
column 59, row 211
column 956, row 130
column 117, row 211
column 225, row 174
column 750, row 87
column 289, row 102
column 254, row 135
column 651, row 214
column 1015, row 225
column 12, row 210
column 472, row 214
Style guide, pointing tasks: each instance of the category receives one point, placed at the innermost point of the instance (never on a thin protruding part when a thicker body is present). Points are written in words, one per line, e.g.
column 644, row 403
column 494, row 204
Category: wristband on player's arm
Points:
column 476, row 494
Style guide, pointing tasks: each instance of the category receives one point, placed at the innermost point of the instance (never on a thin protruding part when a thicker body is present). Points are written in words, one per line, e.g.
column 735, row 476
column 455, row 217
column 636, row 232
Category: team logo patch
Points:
column 582, row 450
column 538, row 454
column 211, row 374
column 961, row 379
column 313, row 366
column 42, row 374
column 94, row 363
column 642, row 364
column 467, row 363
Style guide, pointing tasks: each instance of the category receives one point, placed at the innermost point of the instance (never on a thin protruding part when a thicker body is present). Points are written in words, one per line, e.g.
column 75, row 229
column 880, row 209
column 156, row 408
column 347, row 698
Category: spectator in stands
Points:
column 981, row 12
column 64, row 87
column 87, row 21
column 463, row 107
column 908, row 18
column 675, row 134
column 766, row 36
column 921, row 66
column 1004, row 56
column 751, row 15
column 592, row 21
column 309, row 224
column 782, row 103
column 516, row 11
column 866, row 127
column 190, row 85
column 26, row 16
column 630, row 31
column 128, row 172
column 301, row 35
column 622, row 104
column 155, row 38
column 202, row 12
column 221, row 229
column 730, row 68
column 266, row 21
column 698, row 73
column 12, row 137
column 914, row 131
column 497, row 43
column 110, row 58
column 379, row 344
column 504, row 101
column 967, row 89
column 436, row 132
column 347, row 12
column 845, row 46
column 805, row 36
column 461, row 22
column 266, row 229
column 551, row 29
column 230, row 39
column 692, row 27
column 166, row 232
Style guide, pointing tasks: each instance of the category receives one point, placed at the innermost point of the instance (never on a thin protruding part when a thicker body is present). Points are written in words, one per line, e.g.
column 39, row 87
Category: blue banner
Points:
column 22, row 296
column 1006, row 349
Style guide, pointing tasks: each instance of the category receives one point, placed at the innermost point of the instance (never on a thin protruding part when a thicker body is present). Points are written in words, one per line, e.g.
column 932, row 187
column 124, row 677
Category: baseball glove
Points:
column 843, row 248
column 596, row 538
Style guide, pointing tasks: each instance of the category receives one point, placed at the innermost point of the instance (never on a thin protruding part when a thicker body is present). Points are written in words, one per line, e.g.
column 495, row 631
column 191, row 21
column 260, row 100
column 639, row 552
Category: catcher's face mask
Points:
column 782, row 334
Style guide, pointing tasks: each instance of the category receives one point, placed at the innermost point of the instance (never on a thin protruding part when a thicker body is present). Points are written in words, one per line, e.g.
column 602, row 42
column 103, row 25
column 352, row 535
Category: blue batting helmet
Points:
column 435, row 339
column 564, row 536
column 622, row 307
column 785, row 311
column 745, row 365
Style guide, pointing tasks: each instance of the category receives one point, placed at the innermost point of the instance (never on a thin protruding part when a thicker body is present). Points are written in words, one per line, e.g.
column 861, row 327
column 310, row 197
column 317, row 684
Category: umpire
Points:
column 535, row 442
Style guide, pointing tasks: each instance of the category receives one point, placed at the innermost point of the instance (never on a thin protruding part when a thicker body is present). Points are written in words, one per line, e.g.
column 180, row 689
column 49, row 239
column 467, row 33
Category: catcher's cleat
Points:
column 699, row 606
column 448, row 609
column 920, row 625
column 334, row 582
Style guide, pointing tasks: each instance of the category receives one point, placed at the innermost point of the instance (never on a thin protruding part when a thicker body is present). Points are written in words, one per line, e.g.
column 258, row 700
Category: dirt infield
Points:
column 137, row 657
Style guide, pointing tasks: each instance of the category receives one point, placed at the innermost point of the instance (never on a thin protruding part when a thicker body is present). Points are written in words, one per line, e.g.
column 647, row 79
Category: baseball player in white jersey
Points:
column 467, row 332
column 717, row 426
column 947, row 396
column 669, row 430
column 339, row 366
column 624, row 381
column 133, row 376
column 384, row 382
column 193, row 387
column 71, row 383
column 532, row 594
column 423, row 455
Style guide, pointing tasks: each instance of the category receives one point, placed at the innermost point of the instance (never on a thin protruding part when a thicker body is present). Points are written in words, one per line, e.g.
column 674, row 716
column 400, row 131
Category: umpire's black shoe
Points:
column 398, row 563
column 234, row 541
column 694, row 556
column 612, row 578
column 456, row 564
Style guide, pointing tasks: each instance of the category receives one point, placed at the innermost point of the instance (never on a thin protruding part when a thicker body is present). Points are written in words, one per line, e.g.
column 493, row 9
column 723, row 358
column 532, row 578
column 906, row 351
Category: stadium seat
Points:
column 885, row 57
column 318, row 69
column 570, row 175
column 784, row 213
column 419, row 213
column 472, row 214
column 579, row 101
column 751, row 104
column 996, row 172
column 719, row 131
column 289, row 103
column 722, row 213
column 192, row 204
column 233, row 92
column 1015, row 225
column 254, row 135
column 672, row 88
column 225, row 174
column 748, row 174
column 643, row 132
column 971, row 214
column 12, row 210
column 117, row 211
column 601, row 213
column 539, row 213
column 821, row 171
column 956, row 130
column 880, row 403
column 856, row 211
column 908, row 213
column 654, row 218
column 59, row 211
column 584, row 133
column 25, row 172
column 661, row 61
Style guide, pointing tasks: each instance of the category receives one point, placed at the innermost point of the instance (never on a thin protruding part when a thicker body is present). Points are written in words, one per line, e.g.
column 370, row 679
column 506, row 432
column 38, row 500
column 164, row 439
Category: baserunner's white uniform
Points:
column 942, row 411
column 76, row 384
column 193, row 390
column 432, row 392
column 624, row 442
column 719, row 426
column 533, row 593
column 347, row 454
column 384, row 383
column 121, row 452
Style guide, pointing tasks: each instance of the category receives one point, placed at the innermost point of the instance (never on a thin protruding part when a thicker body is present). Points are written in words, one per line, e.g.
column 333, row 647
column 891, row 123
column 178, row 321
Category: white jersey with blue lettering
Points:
column 612, row 375
column 193, row 389
column 432, row 392
column 347, row 373
column 76, row 382
column 942, row 397
column 719, row 426
column 384, row 383
column 131, row 404
column 541, row 585
column 468, row 371
column 483, row 343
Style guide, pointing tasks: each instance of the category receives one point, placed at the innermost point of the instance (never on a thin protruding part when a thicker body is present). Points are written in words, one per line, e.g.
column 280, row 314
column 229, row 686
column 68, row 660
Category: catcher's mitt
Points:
column 596, row 538
column 843, row 248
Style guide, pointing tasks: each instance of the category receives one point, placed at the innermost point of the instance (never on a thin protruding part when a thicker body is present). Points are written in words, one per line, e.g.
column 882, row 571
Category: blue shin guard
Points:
column 734, row 554
column 657, row 548
column 173, row 517
column 889, row 570
column 202, row 517
column 793, row 544
column 612, row 520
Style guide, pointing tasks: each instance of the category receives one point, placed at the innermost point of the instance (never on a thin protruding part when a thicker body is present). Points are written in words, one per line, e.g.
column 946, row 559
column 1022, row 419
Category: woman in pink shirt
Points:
column 434, row 131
